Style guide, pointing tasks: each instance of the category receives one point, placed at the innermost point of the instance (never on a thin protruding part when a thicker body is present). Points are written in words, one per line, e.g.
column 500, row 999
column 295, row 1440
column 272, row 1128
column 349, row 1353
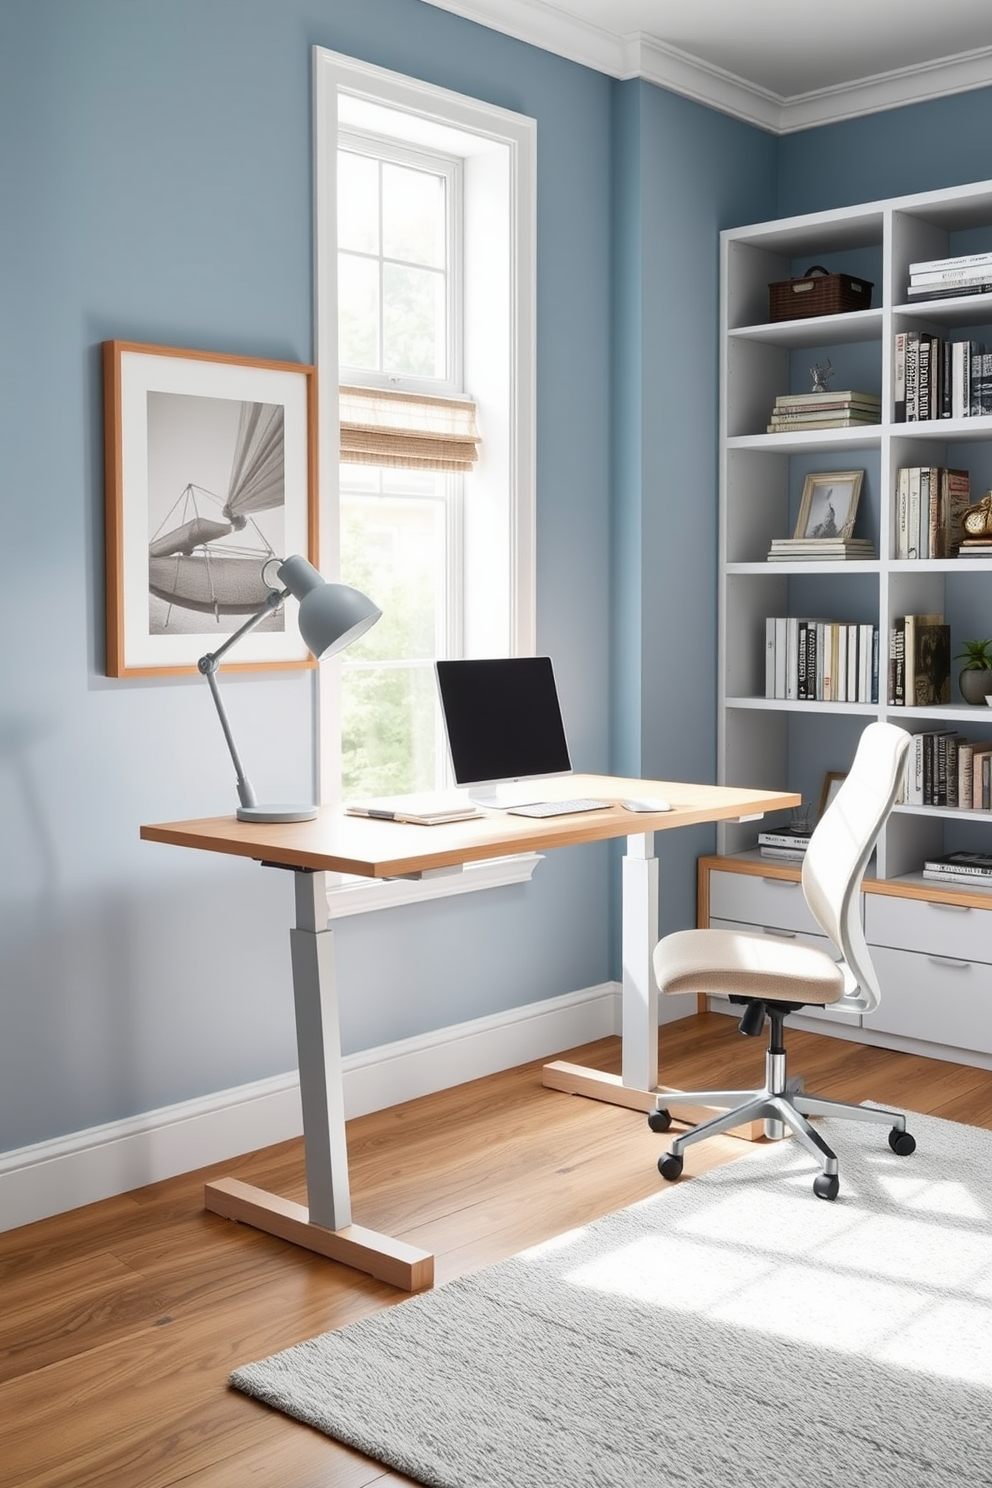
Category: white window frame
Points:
column 498, row 149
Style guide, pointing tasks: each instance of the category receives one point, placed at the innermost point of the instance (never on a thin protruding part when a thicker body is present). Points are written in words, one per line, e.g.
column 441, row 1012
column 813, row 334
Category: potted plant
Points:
column 975, row 677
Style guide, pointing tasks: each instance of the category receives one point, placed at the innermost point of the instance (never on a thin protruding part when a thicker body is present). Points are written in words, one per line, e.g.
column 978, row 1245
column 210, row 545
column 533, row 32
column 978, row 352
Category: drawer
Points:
column 923, row 925
column 754, row 901
column 828, row 1014
column 937, row 999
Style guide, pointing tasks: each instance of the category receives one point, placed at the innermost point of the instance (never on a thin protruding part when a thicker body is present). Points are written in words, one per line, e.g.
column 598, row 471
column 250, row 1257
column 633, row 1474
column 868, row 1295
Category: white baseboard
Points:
column 50, row 1177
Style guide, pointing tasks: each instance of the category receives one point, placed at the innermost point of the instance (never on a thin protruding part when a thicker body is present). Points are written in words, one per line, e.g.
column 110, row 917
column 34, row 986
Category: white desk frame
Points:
column 342, row 844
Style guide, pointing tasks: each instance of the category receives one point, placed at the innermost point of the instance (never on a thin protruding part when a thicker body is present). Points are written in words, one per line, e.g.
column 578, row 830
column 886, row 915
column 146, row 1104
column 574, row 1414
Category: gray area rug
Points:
column 732, row 1332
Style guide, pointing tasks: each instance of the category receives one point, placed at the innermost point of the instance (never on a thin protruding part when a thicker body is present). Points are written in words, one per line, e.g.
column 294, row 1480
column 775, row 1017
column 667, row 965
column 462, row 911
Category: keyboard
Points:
column 559, row 808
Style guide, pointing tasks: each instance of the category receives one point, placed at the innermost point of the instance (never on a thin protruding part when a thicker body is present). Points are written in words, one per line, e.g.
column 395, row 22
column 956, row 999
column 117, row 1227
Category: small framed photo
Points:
column 832, row 782
column 210, row 476
column 829, row 504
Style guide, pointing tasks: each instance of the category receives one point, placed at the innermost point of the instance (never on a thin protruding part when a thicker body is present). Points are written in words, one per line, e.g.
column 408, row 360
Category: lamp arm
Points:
column 208, row 664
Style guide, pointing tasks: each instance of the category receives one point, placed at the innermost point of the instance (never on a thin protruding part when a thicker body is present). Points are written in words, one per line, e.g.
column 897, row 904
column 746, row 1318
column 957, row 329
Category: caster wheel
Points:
column 659, row 1121
column 670, row 1167
column 826, row 1186
column 901, row 1142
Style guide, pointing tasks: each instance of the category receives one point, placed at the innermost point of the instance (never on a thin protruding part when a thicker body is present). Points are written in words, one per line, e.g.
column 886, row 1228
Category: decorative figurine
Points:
column 977, row 519
column 821, row 376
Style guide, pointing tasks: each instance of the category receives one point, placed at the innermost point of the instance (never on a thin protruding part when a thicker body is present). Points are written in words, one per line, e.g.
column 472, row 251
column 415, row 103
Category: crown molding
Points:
column 641, row 56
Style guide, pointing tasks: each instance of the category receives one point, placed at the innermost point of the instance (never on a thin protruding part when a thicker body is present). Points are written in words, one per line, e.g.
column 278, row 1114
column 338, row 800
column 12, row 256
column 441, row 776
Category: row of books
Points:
column 810, row 660
column 845, row 410
column 919, row 671
column 930, row 504
column 944, row 769
column 935, row 378
column 943, row 278
column 958, row 867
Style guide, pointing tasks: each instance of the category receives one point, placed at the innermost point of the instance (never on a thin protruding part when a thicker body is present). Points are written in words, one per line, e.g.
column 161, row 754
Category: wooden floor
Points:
column 119, row 1322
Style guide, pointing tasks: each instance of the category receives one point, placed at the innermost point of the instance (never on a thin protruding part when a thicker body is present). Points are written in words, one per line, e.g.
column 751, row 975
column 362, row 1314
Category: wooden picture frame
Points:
column 832, row 782
column 829, row 504
column 210, row 473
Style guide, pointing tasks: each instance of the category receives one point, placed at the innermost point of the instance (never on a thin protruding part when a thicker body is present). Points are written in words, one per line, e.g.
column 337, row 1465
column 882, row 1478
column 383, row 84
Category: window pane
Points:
column 358, row 311
column 413, row 215
column 358, row 202
column 388, row 730
column 413, row 341
column 393, row 549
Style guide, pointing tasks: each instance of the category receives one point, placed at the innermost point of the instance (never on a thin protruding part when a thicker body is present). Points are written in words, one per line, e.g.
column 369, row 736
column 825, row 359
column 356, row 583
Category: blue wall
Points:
column 155, row 179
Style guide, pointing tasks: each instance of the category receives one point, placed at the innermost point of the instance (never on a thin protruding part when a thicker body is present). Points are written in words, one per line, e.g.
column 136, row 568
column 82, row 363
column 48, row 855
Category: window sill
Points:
column 351, row 896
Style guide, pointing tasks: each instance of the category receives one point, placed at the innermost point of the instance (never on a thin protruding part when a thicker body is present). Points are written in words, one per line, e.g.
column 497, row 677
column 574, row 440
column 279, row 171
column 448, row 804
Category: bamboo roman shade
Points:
column 413, row 430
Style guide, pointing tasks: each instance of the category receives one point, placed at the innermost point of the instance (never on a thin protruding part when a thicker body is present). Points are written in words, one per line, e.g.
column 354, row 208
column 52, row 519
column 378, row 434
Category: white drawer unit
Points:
column 931, row 946
column 937, row 999
column 776, row 903
column 953, row 930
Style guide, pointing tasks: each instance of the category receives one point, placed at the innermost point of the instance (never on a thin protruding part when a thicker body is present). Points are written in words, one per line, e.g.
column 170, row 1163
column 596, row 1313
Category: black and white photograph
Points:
column 829, row 504
column 209, row 486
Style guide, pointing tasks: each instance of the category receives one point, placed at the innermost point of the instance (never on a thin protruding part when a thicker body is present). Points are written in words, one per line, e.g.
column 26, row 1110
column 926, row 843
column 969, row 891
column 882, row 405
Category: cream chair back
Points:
column 840, row 847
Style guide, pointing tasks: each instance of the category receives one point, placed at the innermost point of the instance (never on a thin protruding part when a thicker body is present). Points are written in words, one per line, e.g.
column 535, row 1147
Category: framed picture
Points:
column 832, row 782
column 829, row 504
column 210, row 475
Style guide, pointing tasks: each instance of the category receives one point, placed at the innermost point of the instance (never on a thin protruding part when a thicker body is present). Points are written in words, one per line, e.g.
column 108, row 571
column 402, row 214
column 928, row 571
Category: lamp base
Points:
column 276, row 813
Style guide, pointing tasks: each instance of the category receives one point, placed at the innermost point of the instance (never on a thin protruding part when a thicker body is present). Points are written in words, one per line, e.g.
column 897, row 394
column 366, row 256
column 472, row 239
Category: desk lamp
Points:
column 331, row 617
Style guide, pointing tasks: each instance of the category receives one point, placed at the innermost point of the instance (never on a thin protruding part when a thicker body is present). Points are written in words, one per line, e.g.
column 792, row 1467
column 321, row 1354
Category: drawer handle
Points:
column 781, row 883
column 954, row 908
column 954, row 962
column 778, row 933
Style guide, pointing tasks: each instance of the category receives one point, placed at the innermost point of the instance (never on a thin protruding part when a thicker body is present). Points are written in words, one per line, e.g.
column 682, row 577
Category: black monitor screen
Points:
column 503, row 719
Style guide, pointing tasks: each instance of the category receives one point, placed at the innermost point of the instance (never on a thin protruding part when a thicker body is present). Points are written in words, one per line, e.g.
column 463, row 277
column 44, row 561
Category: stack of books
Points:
column 960, row 867
column 805, row 549
column 783, row 844
column 943, row 278
column 794, row 412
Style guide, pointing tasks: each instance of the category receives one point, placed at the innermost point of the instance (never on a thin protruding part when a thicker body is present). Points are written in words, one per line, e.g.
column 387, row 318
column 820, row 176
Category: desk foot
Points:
column 576, row 1079
column 366, row 1250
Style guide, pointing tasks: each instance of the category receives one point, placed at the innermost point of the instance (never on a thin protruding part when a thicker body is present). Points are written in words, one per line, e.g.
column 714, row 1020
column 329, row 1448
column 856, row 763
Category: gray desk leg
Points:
column 318, row 1042
column 325, row 1226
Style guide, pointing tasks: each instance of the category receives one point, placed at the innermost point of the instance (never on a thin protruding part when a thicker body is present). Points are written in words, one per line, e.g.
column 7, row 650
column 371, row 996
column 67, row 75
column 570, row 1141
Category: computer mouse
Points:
column 647, row 803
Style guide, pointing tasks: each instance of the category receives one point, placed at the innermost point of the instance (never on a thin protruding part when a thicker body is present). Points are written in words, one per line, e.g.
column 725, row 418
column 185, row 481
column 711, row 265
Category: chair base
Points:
column 781, row 1103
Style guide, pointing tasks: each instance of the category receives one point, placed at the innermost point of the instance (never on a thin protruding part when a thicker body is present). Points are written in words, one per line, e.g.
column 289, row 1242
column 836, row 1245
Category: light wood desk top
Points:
column 382, row 849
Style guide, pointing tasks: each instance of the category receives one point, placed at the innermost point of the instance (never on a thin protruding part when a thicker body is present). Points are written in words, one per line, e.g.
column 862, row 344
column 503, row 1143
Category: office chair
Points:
column 771, row 977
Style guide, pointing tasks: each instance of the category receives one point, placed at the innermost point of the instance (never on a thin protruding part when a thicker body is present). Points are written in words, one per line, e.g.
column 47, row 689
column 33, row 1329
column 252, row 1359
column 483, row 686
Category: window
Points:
column 424, row 281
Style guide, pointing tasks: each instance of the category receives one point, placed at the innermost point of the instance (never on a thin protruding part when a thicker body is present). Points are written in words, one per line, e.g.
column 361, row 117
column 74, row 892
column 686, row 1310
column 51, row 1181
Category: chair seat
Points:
column 734, row 963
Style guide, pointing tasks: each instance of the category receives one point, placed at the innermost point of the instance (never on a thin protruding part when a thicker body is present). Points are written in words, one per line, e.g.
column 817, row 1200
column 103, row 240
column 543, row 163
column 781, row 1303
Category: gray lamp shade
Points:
column 331, row 615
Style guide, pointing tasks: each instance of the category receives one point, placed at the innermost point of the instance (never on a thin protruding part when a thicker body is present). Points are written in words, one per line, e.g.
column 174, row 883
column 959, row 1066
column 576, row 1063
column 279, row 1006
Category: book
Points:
column 899, row 379
column 844, row 421
column 975, row 864
column 956, row 498
column 422, row 809
column 827, row 400
column 953, row 291
column 928, row 661
column 958, row 262
column 792, row 854
column 941, row 876
column 897, row 662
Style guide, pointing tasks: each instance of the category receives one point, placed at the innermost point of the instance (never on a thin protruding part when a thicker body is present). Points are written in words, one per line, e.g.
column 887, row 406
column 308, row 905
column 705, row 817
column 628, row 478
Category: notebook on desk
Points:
column 425, row 809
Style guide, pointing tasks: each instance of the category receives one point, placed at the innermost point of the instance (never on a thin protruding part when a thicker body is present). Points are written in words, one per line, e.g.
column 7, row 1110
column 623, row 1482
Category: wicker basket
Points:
column 818, row 293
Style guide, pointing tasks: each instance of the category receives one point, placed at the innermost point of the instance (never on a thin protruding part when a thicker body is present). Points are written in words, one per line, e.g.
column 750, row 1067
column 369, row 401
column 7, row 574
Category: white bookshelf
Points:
column 774, row 742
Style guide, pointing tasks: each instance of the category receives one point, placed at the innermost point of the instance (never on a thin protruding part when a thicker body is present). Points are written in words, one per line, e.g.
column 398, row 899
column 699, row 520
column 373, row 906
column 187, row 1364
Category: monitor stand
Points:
column 509, row 793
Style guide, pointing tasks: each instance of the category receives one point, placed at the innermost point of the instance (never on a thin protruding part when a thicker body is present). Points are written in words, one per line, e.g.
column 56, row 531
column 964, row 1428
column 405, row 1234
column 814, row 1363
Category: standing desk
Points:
column 337, row 843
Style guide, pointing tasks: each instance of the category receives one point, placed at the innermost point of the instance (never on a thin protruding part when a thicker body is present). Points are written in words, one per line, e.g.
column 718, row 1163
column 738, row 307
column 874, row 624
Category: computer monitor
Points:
column 503, row 722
